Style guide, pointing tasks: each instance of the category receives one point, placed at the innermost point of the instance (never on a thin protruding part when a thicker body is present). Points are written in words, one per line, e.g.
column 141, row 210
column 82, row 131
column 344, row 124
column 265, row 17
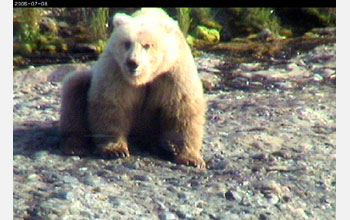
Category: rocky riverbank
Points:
column 270, row 147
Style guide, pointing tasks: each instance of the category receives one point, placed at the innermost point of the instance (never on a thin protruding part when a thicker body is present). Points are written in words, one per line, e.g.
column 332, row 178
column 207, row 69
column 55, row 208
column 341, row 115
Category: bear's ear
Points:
column 170, row 25
column 121, row 19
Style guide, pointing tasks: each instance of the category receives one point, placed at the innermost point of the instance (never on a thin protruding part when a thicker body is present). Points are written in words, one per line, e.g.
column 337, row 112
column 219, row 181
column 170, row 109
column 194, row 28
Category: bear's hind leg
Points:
column 73, row 120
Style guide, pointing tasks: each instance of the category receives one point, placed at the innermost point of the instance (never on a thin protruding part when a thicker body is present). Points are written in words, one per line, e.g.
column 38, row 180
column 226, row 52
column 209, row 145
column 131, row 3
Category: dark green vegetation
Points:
column 65, row 35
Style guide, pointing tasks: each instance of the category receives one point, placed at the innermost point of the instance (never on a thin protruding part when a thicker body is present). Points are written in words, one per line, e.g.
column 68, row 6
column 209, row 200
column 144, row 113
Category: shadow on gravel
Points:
column 33, row 136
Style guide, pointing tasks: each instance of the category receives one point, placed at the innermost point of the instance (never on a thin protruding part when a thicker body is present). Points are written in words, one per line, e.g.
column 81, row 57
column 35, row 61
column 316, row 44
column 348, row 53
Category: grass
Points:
column 99, row 24
column 29, row 18
column 184, row 19
column 206, row 17
column 262, row 18
column 327, row 16
column 255, row 20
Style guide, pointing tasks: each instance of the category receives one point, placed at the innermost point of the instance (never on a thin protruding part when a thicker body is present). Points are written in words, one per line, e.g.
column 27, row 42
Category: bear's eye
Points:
column 146, row 46
column 127, row 44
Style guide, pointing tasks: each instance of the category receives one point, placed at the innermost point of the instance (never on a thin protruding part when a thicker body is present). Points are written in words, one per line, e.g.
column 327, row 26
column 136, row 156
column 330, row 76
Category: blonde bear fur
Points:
column 145, row 82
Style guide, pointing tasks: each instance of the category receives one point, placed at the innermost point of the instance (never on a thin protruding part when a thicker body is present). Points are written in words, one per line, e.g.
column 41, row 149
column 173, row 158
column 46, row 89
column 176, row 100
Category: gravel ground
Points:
column 270, row 147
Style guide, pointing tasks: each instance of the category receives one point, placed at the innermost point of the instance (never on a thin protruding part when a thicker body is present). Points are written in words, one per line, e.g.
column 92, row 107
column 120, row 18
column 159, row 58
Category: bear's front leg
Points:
column 183, row 134
column 185, row 149
column 109, row 130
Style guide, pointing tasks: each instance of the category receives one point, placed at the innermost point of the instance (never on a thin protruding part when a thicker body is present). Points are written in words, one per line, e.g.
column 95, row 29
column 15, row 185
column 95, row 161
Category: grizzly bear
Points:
column 144, row 83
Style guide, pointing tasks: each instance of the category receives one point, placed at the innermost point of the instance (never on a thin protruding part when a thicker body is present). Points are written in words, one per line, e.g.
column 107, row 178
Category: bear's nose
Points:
column 132, row 64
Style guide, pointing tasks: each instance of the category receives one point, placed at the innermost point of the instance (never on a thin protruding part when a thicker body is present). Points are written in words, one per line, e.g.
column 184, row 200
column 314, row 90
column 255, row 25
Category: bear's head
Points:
column 144, row 45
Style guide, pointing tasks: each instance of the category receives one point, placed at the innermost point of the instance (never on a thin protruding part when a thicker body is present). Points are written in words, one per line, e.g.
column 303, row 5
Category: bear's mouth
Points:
column 134, row 73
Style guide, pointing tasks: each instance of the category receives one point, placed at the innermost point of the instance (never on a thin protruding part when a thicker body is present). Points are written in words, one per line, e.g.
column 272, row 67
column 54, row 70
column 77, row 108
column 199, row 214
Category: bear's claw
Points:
column 113, row 155
column 191, row 160
column 114, row 150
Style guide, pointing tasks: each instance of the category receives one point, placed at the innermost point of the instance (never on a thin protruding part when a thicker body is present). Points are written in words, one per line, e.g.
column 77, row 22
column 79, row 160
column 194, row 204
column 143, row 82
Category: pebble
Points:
column 83, row 168
column 183, row 215
column 220, row 165
column 196, row 184
column 172, row 181
column 233, row 196
column 258, row 168
column 263, row 217
column 292, row 67
column 286, row 198
column 66, row 195
column 115, row 201
column 70, row 180
column 161, row 205
column 52, row 216
column 300, row 213
column 261, row 156
column 87, row 214
column 32, row 176
column 249, row 67
column 93, row 181
column 40, row 155
column 183, row 195
column 18, row 157
column 132, row 165
column 282, row 153
column 210, row 81
column 246, row 201
column 272, row 198
column 327, row 73
column 171, row 189
column 74, row 158
column 75, row 207
column 268, row 185
column 318, row 78
column 143, row 218
column 229, row 216
column 167, row 216
column 145, row 178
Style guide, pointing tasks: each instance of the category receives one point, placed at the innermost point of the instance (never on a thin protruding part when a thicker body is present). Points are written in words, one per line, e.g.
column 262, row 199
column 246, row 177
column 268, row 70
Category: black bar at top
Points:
column 172, row 3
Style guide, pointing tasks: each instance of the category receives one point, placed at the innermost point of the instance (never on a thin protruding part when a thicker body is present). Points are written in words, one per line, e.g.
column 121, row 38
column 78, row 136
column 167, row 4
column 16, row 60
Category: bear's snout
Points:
column 132, row 65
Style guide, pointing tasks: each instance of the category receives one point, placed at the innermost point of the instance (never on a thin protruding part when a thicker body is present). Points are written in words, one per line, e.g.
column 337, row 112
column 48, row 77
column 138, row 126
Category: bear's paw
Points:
column 190, row 159
column 113, row 150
